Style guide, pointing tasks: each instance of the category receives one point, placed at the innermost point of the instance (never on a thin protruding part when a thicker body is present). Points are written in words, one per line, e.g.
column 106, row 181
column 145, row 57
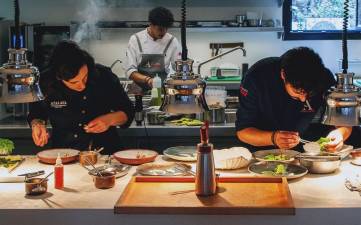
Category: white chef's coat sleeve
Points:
column 132, row 53
column 176, row 53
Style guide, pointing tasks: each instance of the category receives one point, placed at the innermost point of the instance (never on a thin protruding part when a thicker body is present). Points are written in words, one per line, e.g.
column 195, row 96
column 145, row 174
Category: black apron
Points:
column 150, row 65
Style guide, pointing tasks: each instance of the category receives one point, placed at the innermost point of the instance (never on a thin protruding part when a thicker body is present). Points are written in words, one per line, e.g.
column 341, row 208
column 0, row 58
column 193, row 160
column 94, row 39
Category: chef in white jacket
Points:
column 152, row 51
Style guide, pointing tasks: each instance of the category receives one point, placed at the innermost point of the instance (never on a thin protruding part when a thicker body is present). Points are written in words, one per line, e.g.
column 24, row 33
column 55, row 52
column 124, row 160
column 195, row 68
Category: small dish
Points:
column 356, row 157
column 135, row 156
column 182, row 153
column 88, row 156
column 67, row 155
column 163, row 169
column 263, row 154
column 33, row 186
column 266, row 169
column 105, row 181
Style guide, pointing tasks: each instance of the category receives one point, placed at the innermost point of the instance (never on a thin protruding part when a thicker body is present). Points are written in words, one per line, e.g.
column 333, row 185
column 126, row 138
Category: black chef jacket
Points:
column 68, row 110
column 265, row 104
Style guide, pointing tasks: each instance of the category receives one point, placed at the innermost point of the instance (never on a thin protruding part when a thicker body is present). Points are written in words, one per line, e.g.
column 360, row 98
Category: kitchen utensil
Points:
column 163, row 169
column 156, row 117
column 104, row 180
column 304, row 141
column 99, row 150
column 39, row 188
column 314, row 147
column 184, row 168
column 232, row 102
column 267, row 169
column 232, row 158
column 289, row 155
column 33, row 174
column 92, row 165
column 91, row 156
column 321, row 164
column 254, row 22
column 206, row 184
column 119, row 169
column 356, row 157
column 181, row 153
column 214, row 115
column 231, row 115
column 135, row 156
column 241, row 19
column 32, row 186
column 67, row 155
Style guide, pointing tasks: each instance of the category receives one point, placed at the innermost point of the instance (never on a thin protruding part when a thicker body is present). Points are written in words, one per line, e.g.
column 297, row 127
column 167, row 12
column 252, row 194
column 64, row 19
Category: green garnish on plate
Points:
column 272, row 157
column 279, row 170
column 323, row 141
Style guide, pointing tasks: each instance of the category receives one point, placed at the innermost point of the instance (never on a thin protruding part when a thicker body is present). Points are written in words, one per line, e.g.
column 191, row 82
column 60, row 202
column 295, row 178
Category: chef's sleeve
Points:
column 120, row 101
column 38, row 110
column 248, row 111
column 131, row 63
column 176, row 53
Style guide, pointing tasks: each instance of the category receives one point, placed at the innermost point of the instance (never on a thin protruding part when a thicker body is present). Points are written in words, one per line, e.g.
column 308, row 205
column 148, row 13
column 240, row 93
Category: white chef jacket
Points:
column 149, row 46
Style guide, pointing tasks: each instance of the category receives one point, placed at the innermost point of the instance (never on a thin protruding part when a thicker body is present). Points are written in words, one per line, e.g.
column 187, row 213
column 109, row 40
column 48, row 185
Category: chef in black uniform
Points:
column 280, row 96
column 84, row 103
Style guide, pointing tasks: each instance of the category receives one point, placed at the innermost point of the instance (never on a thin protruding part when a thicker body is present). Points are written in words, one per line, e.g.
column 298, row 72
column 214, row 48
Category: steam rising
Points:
column 89, row 18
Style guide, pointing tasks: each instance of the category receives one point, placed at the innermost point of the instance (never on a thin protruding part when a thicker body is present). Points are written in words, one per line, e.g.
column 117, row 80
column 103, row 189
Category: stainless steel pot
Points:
column 156, row 117
column 320, row 163
column 231, row 115
column 213, row 115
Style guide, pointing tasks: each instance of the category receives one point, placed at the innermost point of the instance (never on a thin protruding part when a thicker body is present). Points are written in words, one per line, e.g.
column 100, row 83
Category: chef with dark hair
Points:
column 152, row 51
column 279, row 98
column 84, row 102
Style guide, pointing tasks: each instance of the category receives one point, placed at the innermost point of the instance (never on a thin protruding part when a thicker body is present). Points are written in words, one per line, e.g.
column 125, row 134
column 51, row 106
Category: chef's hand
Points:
column 39, row 133
column 150, row 82
column 286, row 139
column 336, row 142
column 98, row 125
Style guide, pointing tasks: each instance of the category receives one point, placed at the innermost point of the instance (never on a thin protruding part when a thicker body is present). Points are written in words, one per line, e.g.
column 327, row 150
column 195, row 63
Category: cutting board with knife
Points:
column 236, row 195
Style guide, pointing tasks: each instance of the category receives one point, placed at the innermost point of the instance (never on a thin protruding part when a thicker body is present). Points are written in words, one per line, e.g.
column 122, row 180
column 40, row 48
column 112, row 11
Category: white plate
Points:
column 162, row 169
column 182, row 153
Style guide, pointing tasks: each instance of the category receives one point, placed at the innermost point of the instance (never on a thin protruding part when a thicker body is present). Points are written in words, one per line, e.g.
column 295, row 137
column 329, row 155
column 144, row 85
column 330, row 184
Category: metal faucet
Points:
column 220, row 55
column 115, row 62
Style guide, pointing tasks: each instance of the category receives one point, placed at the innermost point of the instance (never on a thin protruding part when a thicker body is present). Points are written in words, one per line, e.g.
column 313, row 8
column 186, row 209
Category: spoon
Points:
column 99, row 150
column 96, row 170
column 38, row 187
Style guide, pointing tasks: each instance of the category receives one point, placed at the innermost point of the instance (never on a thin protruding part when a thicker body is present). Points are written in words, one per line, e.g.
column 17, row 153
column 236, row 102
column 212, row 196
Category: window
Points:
column 320, row 19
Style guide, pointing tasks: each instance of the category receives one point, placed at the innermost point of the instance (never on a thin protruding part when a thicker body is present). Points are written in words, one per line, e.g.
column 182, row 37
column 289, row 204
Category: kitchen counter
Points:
column 319, row 199
column 10, row 127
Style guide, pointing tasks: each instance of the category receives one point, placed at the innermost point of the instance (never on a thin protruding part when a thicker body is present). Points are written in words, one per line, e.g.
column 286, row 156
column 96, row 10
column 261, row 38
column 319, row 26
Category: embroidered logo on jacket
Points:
column 243, row 91
column 58, row 104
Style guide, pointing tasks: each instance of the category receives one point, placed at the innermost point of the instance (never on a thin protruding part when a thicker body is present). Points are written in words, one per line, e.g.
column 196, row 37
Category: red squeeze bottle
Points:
column 59, row 173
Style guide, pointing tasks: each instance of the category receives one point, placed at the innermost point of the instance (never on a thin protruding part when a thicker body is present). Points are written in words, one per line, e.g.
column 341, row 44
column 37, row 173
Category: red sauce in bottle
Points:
column 59, row 174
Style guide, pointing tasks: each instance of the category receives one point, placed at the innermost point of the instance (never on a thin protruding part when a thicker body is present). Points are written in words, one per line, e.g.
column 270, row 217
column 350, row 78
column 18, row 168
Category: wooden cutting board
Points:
column 175, row 195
